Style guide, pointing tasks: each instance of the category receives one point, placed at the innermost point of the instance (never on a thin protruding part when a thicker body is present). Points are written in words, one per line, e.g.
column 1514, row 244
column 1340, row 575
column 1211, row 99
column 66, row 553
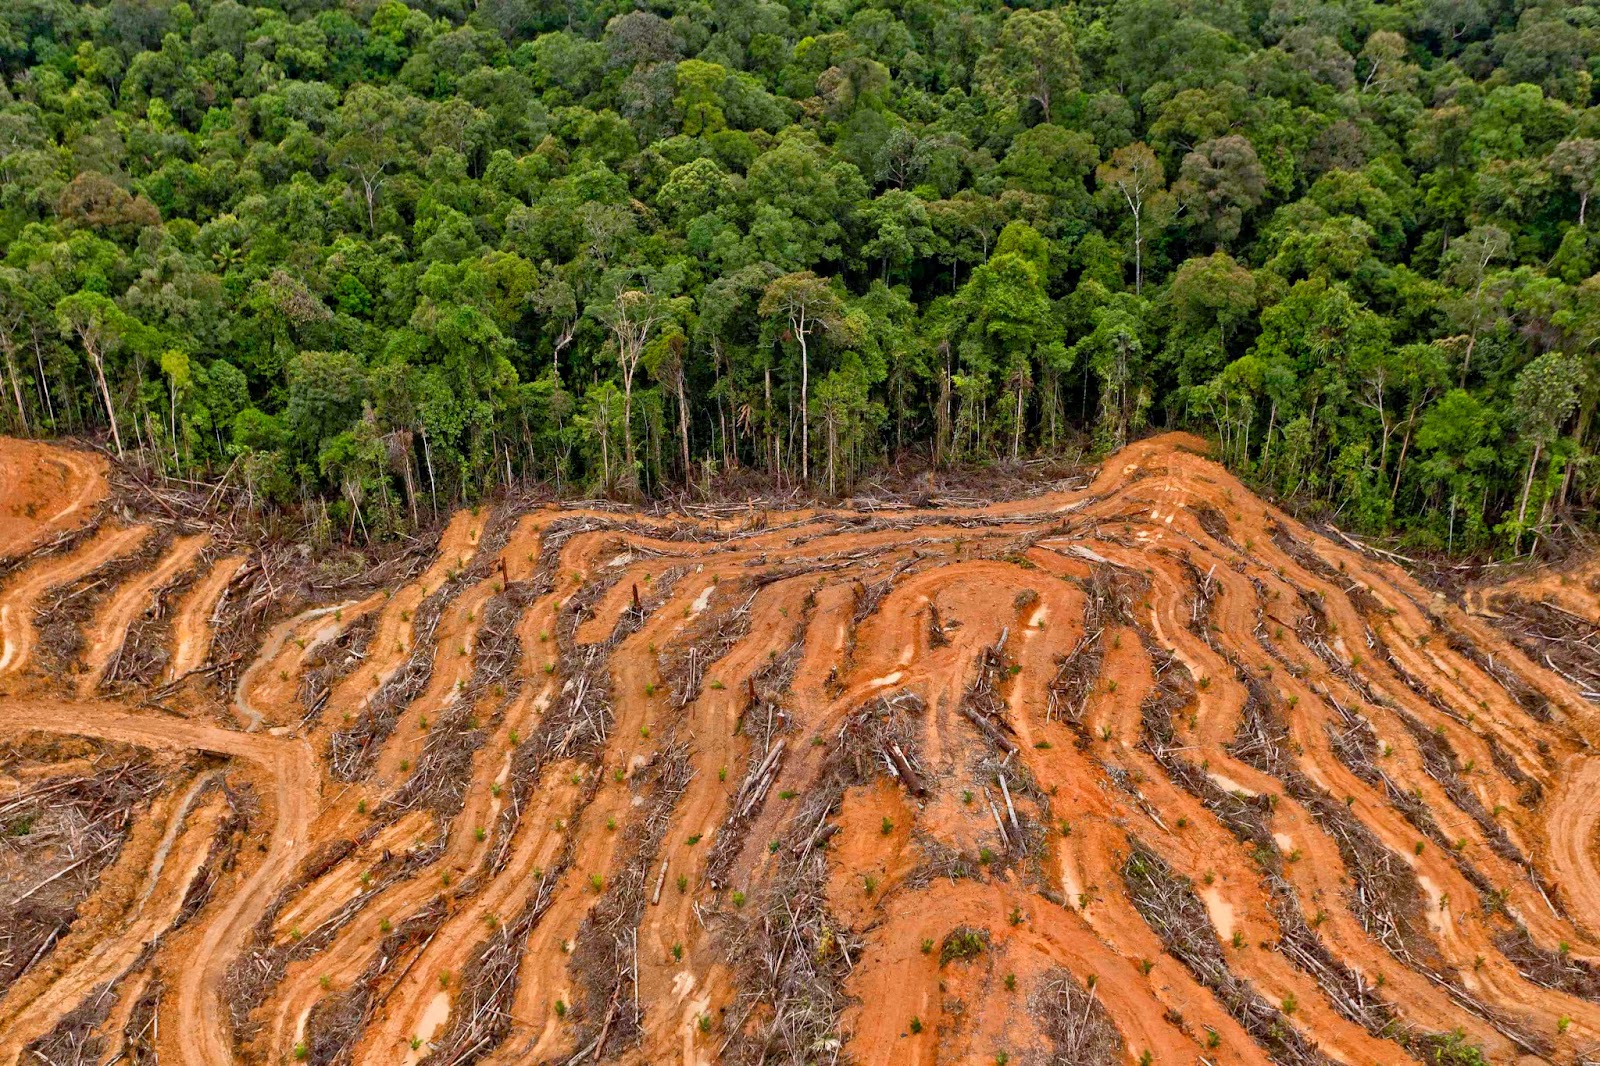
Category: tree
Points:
column 632, row 317
column 326, row 392
column 369, row 144
column 667, row 361
column 847, row 416
column 899, row 224
column 18, row 310
column 1011, row 318
column 1467, row 265
column 101, row 327
column 1033, row 59
column 1115, row 350
column 180, row 379
column 807, row 305
column 1578, row 160
column 1219, row 181
column 1133, row 175
column 1543, row 398
column 1211, row 300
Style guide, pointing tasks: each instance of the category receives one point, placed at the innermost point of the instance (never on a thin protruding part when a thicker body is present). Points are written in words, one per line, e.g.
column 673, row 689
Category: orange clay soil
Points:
column 1142, row 772
column 48, row 490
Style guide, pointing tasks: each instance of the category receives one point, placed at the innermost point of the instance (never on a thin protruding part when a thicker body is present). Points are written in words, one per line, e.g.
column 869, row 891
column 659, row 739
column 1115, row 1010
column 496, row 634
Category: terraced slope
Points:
column 1138, row 772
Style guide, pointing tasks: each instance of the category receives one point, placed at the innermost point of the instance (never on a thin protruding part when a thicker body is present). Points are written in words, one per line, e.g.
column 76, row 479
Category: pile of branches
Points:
column 60, row 544
column 972, row 486
column 683, row 665
column 497, row 648
column 1245, row 816
column 75, row 1039
column 331, row 661
column 1206, row 589
column 1077, row 671
column 792, row 956
column 480, row 1017
column 139, row 1032
column 1530, row 791
column 605, row 959
column 1302, row 553
column 352, row 750
column 443, row 770
column 337, row 1020
column 263, row 962
column 983, row 704
column 1567, row 643
column 1548, row 969
column 259, row 591
column 1168, row 904
column 243, row 804
column 66, row 609
column 767, row 686
column 1530, row 699
column 146, row 646
column 187, row 506
column 1080, row 1031
column 868, row 598
column 1215, row 523
column 56, row 838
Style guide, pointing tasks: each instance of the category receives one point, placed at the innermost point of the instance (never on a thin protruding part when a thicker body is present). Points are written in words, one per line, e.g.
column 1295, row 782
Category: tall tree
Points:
column 1033, row 59
column 100, row 326
column 632, row 316
column 808, row 306
column 1133, row 176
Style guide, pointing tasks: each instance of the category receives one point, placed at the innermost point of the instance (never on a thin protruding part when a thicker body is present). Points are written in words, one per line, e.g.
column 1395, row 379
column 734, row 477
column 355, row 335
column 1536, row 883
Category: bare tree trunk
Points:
column 44, row 385
column 105, row 394
column 1138, row 254
column 1400, row 463
column 172, row 391
column 772, row 449
column 627, row 430
column 683, row 424
column 16, row 385
column 805, row 409
column 941, row 441
column 1016, row 429
column 1527, row 488
column 433, row 486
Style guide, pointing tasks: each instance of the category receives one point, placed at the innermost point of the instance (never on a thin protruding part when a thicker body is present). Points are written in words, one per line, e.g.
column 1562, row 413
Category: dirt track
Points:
column 1141, row 767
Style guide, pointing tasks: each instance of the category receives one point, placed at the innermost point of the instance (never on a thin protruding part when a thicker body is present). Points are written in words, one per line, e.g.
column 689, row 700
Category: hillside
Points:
column 1137, row 769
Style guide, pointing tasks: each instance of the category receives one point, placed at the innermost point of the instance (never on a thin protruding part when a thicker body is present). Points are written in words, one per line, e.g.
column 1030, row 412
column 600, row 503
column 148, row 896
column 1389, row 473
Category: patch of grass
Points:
column 963, row 942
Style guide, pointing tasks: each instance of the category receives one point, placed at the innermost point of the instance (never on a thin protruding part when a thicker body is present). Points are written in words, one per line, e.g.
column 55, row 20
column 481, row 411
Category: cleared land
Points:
column 1135, row 767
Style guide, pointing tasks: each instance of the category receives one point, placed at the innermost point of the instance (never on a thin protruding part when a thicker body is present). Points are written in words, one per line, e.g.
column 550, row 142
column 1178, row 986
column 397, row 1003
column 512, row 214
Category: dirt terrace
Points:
column 1142, row 772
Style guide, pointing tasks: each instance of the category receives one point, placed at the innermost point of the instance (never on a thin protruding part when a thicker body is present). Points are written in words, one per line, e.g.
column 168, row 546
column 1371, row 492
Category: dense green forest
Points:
column 385, row 256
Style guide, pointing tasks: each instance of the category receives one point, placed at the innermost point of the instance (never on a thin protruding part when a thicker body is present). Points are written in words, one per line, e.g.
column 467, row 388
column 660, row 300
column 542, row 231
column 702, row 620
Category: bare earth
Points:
column 1140, row 772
